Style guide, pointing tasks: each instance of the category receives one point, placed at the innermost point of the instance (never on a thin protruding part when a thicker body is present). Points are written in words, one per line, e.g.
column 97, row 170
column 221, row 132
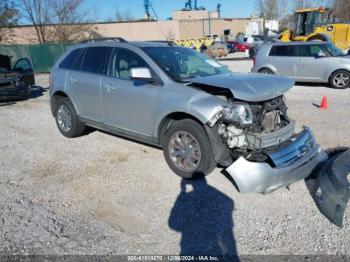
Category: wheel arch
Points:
column 271, row 68
column 54, row 98
column 336, row 70
column 221, row 152
column 166, row 121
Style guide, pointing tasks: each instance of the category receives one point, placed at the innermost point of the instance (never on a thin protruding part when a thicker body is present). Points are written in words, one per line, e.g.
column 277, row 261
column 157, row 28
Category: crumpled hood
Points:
column 249, row 87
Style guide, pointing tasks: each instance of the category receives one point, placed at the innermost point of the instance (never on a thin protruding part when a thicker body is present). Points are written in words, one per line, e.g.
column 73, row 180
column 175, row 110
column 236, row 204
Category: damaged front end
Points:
column 254, row 139
column 260, row 138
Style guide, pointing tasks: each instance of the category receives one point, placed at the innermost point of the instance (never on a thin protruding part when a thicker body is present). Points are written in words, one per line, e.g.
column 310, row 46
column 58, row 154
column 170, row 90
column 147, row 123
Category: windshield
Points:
column 182, row 64
column 333, row 50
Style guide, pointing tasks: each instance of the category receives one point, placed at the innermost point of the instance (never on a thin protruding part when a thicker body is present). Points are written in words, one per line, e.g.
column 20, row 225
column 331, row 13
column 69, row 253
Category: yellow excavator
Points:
column 313, row 24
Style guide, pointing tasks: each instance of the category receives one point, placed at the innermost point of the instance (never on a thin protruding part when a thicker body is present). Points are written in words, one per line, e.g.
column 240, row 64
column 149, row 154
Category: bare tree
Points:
column 123, row 16
column 57, row 20
column 70, row 23
column 300, row 4
column 37, row 13
column 342, row 9
column 269, row 9
column 8, row 18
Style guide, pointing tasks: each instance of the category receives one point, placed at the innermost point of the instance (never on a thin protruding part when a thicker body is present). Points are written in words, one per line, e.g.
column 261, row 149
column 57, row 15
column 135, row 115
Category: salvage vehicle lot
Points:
column 100, row 194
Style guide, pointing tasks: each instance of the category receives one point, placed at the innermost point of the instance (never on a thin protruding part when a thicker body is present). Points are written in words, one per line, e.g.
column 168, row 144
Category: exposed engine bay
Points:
column 251, row 129
column 242, row 124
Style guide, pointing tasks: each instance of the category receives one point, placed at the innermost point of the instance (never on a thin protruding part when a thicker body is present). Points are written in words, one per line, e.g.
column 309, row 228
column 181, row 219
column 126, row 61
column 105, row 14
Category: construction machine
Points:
column 314, row 24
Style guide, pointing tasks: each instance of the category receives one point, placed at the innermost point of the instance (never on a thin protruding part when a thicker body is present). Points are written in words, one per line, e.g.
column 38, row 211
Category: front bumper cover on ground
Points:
column 333, row 192
column 293, row 162
column 14, row 92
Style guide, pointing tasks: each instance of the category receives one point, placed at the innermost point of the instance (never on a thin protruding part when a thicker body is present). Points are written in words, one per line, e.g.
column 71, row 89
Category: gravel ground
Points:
column 100, row 194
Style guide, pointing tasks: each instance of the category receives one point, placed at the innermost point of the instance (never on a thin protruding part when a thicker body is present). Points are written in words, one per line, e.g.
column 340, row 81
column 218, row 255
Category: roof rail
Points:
column 170, row 43
column 104, row 39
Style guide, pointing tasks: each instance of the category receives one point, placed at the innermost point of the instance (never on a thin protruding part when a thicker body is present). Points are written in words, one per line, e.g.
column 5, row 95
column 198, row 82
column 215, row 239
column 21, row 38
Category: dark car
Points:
column 15, row 82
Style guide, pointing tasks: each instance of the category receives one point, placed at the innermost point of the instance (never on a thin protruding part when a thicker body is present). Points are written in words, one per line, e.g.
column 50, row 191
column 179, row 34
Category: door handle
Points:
column 109, row 88
column 72, row 80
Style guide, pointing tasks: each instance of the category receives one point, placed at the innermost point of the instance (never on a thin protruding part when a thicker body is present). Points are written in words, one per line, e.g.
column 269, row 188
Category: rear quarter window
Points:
column 72, row 60
column 284, row 50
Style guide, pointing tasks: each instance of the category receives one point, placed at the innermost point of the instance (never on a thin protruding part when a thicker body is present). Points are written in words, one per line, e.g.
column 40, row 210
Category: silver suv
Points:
column 318, row 62
column 200, row 113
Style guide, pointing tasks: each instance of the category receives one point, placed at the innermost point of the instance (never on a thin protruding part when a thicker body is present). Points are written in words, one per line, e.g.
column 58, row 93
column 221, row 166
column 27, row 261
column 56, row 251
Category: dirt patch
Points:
column 119, row 217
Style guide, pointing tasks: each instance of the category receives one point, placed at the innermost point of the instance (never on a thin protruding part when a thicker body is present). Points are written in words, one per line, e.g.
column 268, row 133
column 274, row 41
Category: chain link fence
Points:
column 42, row 56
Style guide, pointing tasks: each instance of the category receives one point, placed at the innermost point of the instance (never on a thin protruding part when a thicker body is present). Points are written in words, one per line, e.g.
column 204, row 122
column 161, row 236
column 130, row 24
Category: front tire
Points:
column 67, row 119
column 265, row 71
column 187, row 149
column 340, row 79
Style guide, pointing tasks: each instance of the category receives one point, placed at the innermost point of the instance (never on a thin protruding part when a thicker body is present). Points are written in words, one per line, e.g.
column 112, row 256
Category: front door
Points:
column 313, row 63
column 24, row 67
column 127, row 104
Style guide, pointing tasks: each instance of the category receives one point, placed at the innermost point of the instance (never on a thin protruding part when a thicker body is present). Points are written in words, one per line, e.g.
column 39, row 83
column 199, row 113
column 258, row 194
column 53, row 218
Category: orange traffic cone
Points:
column 324, row 103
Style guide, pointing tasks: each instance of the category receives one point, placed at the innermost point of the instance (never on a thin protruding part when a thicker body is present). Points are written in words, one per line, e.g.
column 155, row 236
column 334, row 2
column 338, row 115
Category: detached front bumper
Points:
column 14, row 92
column 333, row 192
column 292, row 162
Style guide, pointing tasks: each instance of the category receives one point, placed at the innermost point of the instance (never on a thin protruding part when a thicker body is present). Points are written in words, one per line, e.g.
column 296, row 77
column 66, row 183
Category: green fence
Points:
column 42, row 57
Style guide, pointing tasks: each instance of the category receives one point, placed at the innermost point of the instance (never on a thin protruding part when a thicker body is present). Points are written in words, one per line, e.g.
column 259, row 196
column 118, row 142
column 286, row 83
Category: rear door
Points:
column 84, row 82
column 24, row 67
column 313, row 63
column 284, row 59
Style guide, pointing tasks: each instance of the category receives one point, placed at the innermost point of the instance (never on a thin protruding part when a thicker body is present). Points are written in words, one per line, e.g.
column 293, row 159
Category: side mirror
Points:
column 141, row 74
column 320, row 55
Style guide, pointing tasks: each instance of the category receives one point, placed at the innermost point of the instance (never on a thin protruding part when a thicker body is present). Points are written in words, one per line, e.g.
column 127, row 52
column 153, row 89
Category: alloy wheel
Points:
column 64, row 118
column 341, row 80
column 184, row 151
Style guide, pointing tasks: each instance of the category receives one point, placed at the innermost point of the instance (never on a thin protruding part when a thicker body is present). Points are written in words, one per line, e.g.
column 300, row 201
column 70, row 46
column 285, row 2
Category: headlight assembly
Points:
column 238, row 114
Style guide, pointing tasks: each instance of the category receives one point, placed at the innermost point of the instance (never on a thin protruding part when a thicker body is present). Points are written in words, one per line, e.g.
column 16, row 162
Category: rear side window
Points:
column 284, row 50
column 73, row 60
column 95, row 59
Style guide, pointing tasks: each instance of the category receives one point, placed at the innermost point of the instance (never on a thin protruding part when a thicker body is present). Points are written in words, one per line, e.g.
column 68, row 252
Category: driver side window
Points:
column 122, row 61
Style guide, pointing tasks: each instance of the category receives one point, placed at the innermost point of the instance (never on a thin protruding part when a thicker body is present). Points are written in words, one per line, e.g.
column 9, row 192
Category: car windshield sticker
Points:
column 213, row 63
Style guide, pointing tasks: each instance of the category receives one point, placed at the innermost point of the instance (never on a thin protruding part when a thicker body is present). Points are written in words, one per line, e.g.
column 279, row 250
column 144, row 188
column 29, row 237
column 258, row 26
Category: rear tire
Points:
column 266, row 71
column 187, row 149
column 340, row 79
column 67, row 119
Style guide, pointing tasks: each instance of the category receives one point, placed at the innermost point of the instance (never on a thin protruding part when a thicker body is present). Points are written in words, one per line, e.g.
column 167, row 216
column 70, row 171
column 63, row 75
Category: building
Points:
column 184, row 25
